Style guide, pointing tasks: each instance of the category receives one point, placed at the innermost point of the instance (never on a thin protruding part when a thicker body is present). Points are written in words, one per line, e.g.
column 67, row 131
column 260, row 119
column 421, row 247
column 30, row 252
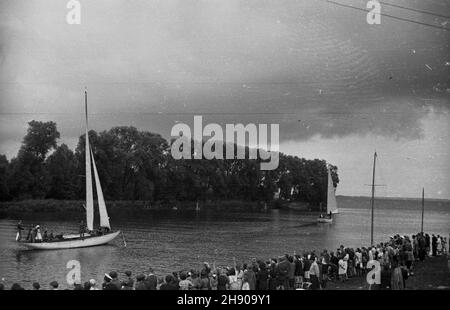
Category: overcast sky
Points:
column 338, row 87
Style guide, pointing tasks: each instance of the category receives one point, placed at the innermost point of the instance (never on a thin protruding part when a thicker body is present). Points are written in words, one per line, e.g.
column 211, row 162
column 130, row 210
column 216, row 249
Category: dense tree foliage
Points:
column 137, row 165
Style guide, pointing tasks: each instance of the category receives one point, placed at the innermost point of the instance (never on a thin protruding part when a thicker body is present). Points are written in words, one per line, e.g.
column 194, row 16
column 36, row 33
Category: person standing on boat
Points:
column 38, row 234
column 30, row 230
column 19, row 231
column 82, row 229
column 33, row 234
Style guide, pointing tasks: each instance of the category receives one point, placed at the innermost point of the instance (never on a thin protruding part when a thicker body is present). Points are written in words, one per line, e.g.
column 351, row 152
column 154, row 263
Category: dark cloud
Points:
column 315, row 68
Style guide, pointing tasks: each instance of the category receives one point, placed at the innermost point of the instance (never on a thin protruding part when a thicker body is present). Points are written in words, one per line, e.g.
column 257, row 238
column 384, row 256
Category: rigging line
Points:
column 387, row 15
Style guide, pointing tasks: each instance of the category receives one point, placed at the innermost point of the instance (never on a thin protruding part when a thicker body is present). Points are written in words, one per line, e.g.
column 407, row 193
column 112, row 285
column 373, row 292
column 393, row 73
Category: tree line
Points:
column 137, row 165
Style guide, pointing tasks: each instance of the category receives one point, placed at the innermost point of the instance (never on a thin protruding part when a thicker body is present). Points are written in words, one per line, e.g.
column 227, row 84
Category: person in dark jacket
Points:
column 298, row 273
column 282, row 273
column 169, row 284
column 140, row 283
column 128, row 283
column 334, row 262
column 262, row 277
column 434, row 245
column 151, row 281
column 428, row 244
column 82, row 230
column 107, row 286
column 114, row 280
column 306, row 267
column 385, row 278
column 291, row 275
column 251, row 274
column 405, row 274
column 222, row 281
column 30, row 230
column 273, row 275
column 204, row 281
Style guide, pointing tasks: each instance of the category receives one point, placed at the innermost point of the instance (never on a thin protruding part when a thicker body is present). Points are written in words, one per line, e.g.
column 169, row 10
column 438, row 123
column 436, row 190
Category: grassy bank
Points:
column 432, row 274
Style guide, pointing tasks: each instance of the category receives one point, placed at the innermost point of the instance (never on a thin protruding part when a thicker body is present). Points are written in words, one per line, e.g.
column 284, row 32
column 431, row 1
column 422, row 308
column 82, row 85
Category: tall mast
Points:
column 89, row 192
column 373, row 195
column 423, row 207
column 85, row 108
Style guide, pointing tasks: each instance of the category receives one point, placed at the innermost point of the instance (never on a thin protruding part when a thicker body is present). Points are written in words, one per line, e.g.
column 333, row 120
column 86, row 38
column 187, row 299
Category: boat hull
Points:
column 324, row 220
column 71, row 244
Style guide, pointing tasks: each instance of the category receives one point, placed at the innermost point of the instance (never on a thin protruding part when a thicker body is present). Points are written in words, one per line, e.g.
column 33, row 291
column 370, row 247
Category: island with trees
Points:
column 137, row 167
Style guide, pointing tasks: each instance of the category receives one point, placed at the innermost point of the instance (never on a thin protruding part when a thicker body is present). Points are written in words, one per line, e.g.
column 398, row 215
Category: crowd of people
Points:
column 309, row 270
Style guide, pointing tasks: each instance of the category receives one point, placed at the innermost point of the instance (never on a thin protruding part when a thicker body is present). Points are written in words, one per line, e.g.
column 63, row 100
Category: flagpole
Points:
column 423, row 207
column 373, row 196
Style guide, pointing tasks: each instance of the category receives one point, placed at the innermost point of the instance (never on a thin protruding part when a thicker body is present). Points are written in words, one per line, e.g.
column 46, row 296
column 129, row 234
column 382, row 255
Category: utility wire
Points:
column 388, row 15
column 412, row 9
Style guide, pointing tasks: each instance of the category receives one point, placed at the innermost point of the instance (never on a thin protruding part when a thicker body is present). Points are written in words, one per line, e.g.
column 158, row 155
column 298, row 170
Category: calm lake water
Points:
column 173, row 240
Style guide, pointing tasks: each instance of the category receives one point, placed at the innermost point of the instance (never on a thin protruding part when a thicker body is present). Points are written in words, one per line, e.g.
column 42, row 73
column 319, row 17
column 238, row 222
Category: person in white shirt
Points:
column 343, row 268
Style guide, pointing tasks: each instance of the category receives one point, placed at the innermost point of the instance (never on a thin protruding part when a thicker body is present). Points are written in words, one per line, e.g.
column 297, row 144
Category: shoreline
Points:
column 53, row 206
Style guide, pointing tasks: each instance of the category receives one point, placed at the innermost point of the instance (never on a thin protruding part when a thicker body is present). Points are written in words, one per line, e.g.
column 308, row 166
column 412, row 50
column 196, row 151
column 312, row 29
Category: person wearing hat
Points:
column 36, row 286
column 114, row 280
column 54, row 285
column 107, row 283
column 93, row 285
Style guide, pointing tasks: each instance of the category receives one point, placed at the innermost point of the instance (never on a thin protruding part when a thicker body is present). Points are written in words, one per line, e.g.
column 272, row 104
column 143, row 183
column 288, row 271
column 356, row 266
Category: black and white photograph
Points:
column 225, row 145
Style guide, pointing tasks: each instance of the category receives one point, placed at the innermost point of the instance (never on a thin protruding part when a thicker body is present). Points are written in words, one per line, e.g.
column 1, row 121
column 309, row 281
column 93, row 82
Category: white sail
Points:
column 331, row 197
column 104, row 219
column 89, row 194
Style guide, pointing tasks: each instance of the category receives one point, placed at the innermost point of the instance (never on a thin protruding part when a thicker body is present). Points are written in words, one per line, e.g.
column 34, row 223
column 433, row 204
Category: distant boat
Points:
column 74, row 240
column 331, row 201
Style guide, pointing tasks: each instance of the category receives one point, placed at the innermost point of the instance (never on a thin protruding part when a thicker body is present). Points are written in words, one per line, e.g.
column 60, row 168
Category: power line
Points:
column 412, row 9
column 292, row 113
column 388, row 15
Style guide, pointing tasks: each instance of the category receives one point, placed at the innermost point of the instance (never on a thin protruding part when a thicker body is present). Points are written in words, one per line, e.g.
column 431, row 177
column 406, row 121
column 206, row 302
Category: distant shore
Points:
column 12, row 208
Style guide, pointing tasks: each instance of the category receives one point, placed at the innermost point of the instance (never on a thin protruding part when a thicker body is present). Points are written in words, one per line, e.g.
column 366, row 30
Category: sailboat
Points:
column 331, row 201
column 89, row 239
